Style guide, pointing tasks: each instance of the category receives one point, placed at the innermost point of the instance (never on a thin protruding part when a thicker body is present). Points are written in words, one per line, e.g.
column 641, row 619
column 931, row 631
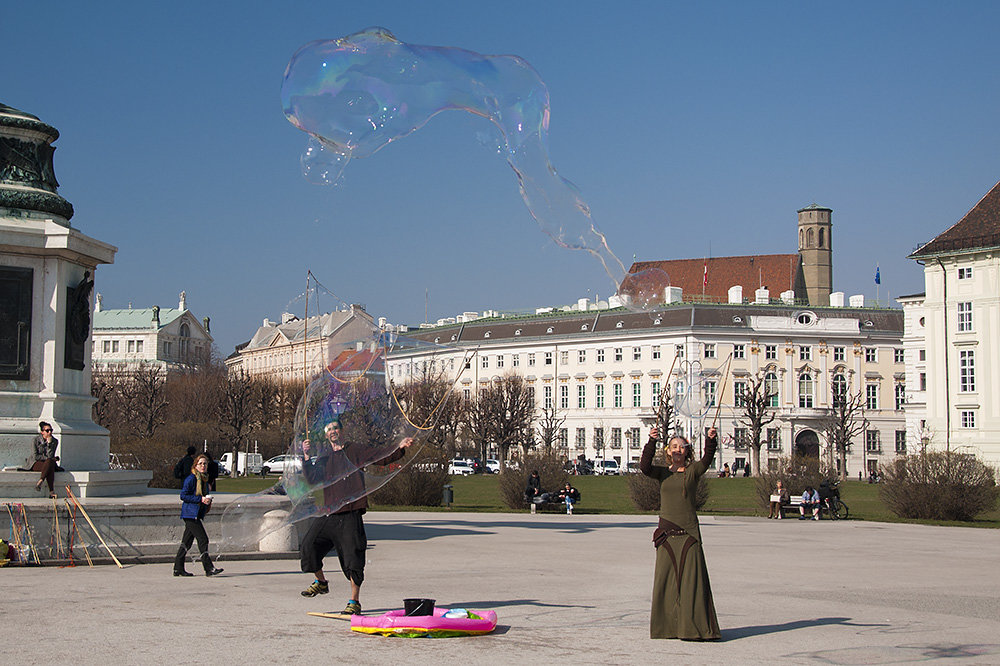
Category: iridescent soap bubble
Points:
column 357, row 94
column 349, row 428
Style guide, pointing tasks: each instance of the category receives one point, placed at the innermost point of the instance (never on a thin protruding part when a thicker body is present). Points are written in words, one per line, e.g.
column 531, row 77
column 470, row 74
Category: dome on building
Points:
column 28, row 182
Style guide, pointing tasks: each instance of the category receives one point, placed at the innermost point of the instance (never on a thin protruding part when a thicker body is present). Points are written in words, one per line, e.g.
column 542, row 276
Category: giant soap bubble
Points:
column 357, row 94
column 376, row 392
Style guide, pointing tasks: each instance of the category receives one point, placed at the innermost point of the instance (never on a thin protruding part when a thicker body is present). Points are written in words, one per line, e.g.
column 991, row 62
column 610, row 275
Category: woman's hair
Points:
column 199, row 457
column 688, row 449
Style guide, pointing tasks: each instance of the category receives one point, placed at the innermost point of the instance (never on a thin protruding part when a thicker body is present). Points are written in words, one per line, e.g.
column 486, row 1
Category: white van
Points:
column 249, row 462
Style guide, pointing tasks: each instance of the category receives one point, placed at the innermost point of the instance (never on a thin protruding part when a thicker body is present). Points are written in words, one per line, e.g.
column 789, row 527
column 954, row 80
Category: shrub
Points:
column 938, row 486
column 645, row 492
column 513, row 482
column 157, row 455
column 795, row 473
column 419, row 483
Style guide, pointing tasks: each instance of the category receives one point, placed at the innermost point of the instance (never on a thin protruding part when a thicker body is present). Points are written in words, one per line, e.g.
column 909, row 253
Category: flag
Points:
column 878, row 279
column 704, row 280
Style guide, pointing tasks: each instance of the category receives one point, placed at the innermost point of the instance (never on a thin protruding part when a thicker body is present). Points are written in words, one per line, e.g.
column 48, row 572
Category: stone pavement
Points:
column 569, row 589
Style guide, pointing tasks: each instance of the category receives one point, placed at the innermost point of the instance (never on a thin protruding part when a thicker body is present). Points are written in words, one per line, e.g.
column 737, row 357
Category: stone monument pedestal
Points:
column 46, row 280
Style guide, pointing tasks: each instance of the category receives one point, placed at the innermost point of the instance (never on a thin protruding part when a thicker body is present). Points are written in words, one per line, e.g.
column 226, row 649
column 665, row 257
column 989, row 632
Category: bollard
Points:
column 448, row 495
column 277, row 540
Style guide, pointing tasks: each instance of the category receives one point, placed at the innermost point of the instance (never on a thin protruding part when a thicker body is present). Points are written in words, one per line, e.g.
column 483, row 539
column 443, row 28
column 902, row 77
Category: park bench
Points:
column 552, row 503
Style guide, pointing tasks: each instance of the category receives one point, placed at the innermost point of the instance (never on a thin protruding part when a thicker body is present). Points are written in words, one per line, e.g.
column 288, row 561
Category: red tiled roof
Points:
column 777, row 272
column 979, row 228
column 352, row 362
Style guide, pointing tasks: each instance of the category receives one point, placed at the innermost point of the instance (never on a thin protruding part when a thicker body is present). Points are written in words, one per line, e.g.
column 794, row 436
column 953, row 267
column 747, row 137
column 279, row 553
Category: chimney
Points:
column 673, row 295
column 736, row 294
column 267, row 322
column 857, row 301
column 762, row 296
column 156, row 316
column 287, row 317
column 788, row 297
column 837, row 299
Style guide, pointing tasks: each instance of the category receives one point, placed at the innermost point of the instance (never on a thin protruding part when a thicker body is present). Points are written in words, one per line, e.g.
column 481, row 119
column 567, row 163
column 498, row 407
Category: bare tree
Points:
column 143, row 391
column 666, row 414
column 502, row 414
column 846, row 420
column 433, row 403
column 757, row 413
column 237, row 402
column 550, row 423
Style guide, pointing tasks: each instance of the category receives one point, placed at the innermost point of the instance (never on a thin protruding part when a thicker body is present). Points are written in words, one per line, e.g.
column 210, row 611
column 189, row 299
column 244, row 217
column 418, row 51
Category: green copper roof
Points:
column 137, row 319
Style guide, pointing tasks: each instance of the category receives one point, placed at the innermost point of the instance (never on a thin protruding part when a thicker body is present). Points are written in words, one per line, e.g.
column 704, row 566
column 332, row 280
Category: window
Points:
column 741, row 437
column 805, row 319
column 468, row 364
column 838, row 353
column 564, row 397
column 563, row 437
column 581, row 356
column 485, row 362
column 138, row 346
column 771, row 352
column 773, row 439
column 898, row 356
column 531, row 359
column 466, row 395
column 922, row 355
column 636, row 353
column 805, row 353
column 167, row 348
column 654, row 390
column 968, row 419
column 871, row 396
column 599, row 390
column 923, row 381
column 548, row 358
column 547, row 395
column 632, row 436
column 581, row 396
column 964, row 317
column 618, row 354
column 598, row 438
column 873, row 443
column 710, row 393
column 107, row 346
column 709, row 349
column 771, row 387
column 739, row 351
column 967, row 371
column 131, row 346
column 564, row 357
column 679, row 351
column 839, row 391
column 965, row 273
column 739, row 394
column 600, row 356
column 499, row 360
column 636, row 395
column 871, row 355
column 114, row 346
column 616, row 438
column 617, row 388
column 805, row 390
column 515, row 360
column 900, row 396
column 581, row 438
column 656, row 352
column 901, row 442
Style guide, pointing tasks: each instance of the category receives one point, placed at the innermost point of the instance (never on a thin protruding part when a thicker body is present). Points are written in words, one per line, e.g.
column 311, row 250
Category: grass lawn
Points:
column 609, row 495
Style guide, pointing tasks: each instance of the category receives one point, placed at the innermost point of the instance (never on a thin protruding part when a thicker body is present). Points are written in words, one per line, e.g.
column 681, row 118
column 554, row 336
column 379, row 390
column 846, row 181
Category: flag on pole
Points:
column 878, row 279
column 704, row 281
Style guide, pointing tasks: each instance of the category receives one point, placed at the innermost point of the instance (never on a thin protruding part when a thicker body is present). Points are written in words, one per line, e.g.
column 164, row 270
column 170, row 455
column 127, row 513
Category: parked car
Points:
column 632, row 467
column 278, row 464
column 461, row 468
column 493, row 466
column 607, row 467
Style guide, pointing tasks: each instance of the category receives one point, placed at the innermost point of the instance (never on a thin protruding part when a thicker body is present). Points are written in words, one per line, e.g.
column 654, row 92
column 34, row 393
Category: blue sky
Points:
column 688, row 127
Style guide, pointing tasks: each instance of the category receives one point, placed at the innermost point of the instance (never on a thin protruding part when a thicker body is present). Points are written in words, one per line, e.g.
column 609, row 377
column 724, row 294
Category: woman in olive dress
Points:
column 682, row 595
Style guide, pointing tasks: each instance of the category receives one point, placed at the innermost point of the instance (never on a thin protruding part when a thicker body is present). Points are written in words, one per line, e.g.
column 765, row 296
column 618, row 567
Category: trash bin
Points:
column 448, row 495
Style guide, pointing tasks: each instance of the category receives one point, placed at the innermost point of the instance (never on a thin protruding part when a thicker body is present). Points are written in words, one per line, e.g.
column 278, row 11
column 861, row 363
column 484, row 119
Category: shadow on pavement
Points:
column 417, row 532
column 737, row 633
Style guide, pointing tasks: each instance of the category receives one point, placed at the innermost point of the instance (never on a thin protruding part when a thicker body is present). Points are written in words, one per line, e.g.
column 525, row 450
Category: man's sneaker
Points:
column 317, row 587
column 353, row 608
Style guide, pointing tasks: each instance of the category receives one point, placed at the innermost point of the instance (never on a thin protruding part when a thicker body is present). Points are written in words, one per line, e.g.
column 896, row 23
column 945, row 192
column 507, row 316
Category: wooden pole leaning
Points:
column 31, row 539
column 69, row 494
column 722, row 391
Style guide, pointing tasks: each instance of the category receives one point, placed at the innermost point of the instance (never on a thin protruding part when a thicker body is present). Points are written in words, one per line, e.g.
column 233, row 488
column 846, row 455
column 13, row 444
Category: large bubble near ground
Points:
column 356, row 427
column 357, row 94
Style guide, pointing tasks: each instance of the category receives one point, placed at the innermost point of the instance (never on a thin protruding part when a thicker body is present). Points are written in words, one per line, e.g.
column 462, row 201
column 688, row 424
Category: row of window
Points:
column 115, row 346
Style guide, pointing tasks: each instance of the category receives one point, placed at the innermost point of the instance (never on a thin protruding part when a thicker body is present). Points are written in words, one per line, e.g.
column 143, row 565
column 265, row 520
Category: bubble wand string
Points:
column 722, row 391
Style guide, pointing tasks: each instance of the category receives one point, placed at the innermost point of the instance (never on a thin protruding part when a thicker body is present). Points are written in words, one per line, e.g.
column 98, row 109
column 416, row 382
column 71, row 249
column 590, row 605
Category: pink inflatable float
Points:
column 443, row 623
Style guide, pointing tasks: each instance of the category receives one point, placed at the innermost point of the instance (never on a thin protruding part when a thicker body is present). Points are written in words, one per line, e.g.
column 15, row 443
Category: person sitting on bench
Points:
column 810, row 500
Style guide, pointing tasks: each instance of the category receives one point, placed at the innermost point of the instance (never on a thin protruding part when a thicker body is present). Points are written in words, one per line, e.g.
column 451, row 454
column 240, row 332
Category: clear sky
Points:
column 690, row 128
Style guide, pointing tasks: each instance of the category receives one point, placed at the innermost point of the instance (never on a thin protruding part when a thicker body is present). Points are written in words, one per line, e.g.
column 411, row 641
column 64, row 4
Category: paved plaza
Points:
column 567, row 589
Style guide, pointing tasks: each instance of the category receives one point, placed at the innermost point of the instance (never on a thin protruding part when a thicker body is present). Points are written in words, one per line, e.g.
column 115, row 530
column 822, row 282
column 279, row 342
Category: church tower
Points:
column 816, row 250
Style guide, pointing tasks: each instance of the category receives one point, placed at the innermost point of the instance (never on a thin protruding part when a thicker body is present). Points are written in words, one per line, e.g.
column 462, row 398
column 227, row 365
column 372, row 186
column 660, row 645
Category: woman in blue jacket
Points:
column 196, row 500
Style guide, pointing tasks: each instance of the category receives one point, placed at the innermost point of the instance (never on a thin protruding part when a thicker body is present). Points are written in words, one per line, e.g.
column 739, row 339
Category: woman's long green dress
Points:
column 682, row 595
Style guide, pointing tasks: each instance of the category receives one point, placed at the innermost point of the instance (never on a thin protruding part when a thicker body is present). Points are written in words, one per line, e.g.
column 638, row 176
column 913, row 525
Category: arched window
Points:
column 771, row 387
column 810, row 240
column 802, row 238
column 839, row 389
column 822, row 234
column 805, row 390
column 185, row 335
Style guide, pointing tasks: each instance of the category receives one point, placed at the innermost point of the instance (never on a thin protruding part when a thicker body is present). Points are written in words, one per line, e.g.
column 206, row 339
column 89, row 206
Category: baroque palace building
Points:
column 951, row 336
column 603, row 368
